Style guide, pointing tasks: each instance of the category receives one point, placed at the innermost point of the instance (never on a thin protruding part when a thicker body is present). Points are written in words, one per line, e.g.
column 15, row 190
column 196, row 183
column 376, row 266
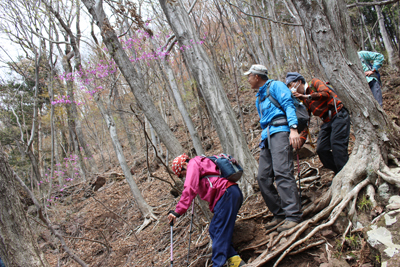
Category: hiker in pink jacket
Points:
column 224, row 198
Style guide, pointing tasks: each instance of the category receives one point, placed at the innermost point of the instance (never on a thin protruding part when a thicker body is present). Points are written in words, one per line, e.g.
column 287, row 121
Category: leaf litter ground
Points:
column 100, row 226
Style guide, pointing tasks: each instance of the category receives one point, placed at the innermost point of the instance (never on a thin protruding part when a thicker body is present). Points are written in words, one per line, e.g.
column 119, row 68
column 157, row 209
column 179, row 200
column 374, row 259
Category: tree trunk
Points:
column 72, row 116
column 124, row 119
column 133, row 78
column 78, row 133
column 18, row 244
column 232, row 61
column 199, row 64
column 35, row 166
column 182, row 109
column 145, row 209
column 376, row 136
column 40, row 146
column 393, row 55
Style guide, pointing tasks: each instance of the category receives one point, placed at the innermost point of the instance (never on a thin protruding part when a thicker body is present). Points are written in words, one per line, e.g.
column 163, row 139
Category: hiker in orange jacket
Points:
column 322, row 101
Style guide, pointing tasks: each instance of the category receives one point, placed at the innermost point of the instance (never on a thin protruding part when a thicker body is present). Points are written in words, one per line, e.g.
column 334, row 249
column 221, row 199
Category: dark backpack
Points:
column 301, row 112
column 228, row 167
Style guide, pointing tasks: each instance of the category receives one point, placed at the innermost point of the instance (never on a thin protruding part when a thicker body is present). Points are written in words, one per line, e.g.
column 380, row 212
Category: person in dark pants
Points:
column 224, row 198
column 371, row 62
column 279, row 135
column 1, row 263
column 322, row 101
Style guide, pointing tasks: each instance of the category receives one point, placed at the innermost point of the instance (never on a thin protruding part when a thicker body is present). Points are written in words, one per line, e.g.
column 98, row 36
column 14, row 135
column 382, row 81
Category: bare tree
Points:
column 133, row 77
column 202, row 69
column 393, row 55
column 145, row 209
column 74, row 121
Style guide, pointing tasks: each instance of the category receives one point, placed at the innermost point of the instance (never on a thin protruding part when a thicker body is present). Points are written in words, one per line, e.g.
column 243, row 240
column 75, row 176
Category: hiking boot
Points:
column 235, row 261
column 286, row 226
column 275, row 221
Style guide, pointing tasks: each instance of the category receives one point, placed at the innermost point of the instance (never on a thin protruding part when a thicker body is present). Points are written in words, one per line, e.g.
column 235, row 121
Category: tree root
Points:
column 309, row 179
column 147, row 221
column 262, row 243
column 334, row 209
column 309, row 170
column 334, row 215
column 352, row 212
column 319, row 204
column 395, row 160
column 389, row 176
column 320, row 242
column 253, row 216
column 371, row 195
column 345, row 233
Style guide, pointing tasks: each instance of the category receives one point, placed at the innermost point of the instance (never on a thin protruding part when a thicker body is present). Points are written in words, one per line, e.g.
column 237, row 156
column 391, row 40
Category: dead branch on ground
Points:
column 91, row 240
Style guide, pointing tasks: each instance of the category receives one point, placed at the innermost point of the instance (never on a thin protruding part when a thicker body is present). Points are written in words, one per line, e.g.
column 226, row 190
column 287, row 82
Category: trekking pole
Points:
column 298, row 173
column 190, row 233
column 172, row 250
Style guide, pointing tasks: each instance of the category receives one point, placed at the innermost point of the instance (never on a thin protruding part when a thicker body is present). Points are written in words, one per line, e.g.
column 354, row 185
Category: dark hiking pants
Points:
column 276, row 164
column 223, row 223
column 333, row 141
column 376, row 90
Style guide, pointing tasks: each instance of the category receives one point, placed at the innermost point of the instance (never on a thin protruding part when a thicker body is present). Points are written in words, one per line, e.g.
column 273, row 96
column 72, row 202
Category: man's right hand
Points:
column 298, row 95
column 369, row 73
column 294, row 139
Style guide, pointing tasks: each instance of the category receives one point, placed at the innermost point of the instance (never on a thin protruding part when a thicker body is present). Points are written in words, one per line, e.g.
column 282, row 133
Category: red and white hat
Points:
column 177, row 163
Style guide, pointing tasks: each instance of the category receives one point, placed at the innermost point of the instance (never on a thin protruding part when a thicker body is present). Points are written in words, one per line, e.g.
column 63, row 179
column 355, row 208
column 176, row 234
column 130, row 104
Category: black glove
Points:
column 177, row 215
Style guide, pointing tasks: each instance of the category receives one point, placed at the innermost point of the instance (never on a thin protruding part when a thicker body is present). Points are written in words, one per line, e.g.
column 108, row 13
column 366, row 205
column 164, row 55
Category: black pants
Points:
column 333, row 141
column 276, row 164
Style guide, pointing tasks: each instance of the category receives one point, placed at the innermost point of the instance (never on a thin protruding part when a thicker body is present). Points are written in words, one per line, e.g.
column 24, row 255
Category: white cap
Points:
column 257, row 69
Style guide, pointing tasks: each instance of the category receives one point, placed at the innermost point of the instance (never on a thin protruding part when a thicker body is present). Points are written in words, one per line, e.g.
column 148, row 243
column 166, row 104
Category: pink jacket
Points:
column 196, row 168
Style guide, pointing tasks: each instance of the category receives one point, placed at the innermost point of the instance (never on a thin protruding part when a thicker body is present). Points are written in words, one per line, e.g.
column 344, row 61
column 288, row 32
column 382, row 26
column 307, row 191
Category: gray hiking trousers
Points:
column 276, row 164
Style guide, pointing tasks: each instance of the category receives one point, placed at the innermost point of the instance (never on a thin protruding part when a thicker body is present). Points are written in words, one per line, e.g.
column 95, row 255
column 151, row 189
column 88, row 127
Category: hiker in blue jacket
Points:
column 278, row 137
column 371, row 62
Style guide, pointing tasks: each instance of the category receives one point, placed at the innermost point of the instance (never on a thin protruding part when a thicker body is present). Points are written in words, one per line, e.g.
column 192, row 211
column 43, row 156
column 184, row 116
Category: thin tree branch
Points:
column 155, row 149
column 47, row 39
column 91, row 240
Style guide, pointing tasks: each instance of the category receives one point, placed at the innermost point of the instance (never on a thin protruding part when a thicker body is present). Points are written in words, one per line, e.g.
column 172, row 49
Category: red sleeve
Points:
column 322, row 90
column 191, row 187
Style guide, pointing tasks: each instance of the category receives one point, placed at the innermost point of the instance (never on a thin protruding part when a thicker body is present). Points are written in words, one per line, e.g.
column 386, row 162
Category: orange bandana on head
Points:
column 177, row 163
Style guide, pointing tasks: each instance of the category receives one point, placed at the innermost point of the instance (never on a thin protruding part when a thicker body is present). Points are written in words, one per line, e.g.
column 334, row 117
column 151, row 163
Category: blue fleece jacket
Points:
column 281, row 93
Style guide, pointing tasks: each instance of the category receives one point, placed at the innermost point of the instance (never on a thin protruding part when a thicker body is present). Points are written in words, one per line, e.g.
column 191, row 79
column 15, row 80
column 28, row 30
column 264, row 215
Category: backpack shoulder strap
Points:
column 273, row 100
column 268, row 95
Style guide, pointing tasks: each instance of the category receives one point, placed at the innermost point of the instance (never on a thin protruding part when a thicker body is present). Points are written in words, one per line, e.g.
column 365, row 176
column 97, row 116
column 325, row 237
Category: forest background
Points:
column 128, row 85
